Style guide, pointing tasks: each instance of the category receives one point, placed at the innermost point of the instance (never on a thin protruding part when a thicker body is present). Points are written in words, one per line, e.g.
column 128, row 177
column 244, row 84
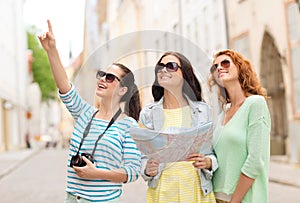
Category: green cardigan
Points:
column 243, row 146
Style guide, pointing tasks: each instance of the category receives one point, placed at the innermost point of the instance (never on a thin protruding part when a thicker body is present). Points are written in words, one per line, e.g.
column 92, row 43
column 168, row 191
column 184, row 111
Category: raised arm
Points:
column 47, row 40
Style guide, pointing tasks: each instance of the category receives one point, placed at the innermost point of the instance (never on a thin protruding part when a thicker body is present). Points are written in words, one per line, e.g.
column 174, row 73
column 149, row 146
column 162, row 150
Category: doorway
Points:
column 272, row 79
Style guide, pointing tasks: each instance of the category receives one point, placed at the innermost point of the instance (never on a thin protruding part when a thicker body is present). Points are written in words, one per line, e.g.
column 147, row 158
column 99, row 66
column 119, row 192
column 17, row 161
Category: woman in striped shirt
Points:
column 116, row 157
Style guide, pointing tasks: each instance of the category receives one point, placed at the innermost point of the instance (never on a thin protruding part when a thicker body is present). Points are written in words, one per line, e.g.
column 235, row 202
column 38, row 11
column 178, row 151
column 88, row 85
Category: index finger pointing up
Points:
column 49, row 26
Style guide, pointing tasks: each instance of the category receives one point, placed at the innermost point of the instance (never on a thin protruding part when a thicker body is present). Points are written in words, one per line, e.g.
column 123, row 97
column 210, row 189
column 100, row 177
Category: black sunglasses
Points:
column 225, row 64
column 170, row 66
column 108, row 76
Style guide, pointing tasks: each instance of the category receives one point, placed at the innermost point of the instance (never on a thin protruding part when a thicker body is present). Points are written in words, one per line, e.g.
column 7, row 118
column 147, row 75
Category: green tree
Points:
column 41, row 67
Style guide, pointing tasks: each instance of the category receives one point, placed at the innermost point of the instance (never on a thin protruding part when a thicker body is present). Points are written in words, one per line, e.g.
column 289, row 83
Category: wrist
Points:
column 147, row 174
column 52, row 51
column 208, row 163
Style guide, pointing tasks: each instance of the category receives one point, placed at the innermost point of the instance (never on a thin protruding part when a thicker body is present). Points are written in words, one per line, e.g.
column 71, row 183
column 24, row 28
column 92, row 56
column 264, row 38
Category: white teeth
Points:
column 164, row 77
column 101, row 86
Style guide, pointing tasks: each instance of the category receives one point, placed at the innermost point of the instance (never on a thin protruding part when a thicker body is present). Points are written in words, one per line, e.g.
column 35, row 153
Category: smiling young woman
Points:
column 102, row 154
column 241, row 137
column 178, row 103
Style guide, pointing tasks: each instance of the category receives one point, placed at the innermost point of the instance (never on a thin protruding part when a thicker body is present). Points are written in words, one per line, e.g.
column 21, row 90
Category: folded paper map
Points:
column 174, row 143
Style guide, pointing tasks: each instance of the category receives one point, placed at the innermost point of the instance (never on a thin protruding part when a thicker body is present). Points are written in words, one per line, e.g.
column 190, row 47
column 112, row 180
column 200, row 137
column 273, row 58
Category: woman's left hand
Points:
column 200, row 161
column 86, row 172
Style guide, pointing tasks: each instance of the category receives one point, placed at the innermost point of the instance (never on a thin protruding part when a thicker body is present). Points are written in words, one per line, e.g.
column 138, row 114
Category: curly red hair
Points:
column 248, row 79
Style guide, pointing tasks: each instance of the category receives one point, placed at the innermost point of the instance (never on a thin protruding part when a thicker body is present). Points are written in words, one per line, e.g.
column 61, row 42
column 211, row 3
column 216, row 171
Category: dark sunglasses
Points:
column 225, row 64
column 108, row 76
column 170, row 66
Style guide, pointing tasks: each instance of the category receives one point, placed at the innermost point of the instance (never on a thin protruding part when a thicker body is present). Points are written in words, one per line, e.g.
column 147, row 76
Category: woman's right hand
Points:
column 151, row 167
column 47, row 39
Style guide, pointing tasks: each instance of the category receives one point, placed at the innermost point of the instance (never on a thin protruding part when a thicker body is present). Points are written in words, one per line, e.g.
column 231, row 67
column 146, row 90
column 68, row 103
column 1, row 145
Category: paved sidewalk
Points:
column 9, row 161
column 284, row 173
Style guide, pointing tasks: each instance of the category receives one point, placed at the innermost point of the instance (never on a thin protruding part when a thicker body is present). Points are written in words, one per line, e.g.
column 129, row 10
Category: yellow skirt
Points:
column 179, row 182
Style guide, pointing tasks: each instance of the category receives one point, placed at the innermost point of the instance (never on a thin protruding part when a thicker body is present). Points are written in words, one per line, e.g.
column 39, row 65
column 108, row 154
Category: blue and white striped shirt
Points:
column 116, row 149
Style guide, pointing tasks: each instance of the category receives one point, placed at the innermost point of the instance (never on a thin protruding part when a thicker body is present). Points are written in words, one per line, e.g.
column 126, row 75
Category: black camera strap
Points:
column 87, row 129
column 109, row 124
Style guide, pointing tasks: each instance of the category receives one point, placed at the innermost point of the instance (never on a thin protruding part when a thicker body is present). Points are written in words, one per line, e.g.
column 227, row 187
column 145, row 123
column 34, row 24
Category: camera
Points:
column 77, row 159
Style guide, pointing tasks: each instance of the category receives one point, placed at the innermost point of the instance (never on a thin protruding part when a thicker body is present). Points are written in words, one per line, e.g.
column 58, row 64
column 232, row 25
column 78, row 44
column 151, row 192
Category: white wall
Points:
column 198, row 25
column 13, row 68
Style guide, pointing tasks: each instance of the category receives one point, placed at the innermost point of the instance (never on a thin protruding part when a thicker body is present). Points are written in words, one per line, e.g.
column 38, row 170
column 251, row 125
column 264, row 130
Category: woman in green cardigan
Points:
column 242, row 134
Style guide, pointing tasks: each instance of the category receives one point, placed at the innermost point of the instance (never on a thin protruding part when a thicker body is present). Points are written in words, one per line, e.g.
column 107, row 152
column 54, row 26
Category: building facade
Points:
column 270, row 38
column 137, row 32
column 13, row 77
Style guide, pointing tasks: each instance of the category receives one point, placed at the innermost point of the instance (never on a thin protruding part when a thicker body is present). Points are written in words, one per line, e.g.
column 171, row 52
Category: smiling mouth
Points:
column 221, row 74
column 101, row 86
column 164, row 77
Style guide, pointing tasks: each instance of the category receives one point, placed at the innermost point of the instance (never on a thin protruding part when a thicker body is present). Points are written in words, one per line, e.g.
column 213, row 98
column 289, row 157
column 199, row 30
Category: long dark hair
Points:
column 132, row 97
column 191, row 86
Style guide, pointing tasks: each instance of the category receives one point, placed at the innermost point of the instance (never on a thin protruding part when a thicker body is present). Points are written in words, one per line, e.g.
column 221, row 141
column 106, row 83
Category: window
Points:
column 241, row 44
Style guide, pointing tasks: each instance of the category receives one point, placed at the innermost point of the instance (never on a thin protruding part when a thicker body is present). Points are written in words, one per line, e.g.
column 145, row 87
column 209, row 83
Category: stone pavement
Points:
column 13, row 159
column 284, row 173
column 280, row 170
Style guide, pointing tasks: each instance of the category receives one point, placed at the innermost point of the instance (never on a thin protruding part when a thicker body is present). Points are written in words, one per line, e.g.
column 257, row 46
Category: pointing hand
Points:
column 47, row 39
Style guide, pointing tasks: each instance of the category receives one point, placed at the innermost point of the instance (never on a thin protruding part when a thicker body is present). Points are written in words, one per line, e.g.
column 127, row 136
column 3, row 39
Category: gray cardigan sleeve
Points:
column 147, row 120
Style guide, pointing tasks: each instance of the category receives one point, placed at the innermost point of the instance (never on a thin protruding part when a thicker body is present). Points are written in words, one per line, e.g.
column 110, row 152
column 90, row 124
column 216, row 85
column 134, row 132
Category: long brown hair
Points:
column 248, row 79
column 132, row 96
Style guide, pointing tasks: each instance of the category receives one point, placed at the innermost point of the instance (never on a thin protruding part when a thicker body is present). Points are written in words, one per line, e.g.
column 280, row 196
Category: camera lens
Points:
column 77, row 161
